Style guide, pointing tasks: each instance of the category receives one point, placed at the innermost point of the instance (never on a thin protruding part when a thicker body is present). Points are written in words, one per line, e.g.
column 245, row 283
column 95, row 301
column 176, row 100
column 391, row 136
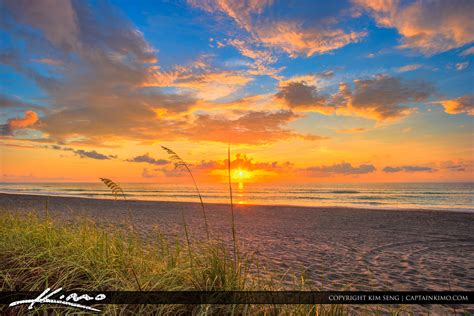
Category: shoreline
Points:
column 374, row 208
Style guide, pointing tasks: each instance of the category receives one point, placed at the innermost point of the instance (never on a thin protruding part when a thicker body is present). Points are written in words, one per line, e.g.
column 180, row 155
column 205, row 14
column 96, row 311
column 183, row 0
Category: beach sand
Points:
column 337, row 248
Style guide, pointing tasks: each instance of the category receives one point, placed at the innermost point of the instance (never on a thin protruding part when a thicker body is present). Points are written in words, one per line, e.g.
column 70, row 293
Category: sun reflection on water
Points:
column 240, row 194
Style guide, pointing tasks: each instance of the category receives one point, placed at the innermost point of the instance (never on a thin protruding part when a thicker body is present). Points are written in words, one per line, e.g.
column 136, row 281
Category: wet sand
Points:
column 338, row 248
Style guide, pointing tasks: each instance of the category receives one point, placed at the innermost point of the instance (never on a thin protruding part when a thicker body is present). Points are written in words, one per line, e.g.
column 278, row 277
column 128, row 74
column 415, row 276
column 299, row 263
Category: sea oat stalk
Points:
column 180, row 163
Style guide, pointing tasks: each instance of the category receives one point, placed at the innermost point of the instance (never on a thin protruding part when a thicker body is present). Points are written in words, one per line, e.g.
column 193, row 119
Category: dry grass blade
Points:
column 114, row 188
column 180, row 163
column 175, row 158
column 234, row 239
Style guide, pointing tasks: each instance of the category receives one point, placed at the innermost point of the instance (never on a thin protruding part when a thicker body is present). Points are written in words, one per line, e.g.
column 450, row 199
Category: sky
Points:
column 303, row 91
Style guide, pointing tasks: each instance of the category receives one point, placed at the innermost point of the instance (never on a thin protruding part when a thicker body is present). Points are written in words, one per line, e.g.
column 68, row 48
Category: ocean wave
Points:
column 345, row 192
column 368, row 197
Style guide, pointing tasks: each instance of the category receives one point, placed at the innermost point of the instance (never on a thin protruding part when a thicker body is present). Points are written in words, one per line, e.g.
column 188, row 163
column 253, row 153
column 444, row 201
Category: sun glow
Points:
column 241, row 174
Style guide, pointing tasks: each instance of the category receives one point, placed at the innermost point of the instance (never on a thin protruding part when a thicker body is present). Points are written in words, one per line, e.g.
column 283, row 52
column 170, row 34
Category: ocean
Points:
column 442, row 196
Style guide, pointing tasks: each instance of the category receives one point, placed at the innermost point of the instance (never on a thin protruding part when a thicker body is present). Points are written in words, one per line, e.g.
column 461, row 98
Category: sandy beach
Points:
column 336, row 248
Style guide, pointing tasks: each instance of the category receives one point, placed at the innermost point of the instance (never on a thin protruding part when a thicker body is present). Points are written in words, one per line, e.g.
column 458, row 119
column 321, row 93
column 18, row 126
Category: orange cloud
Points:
column 28, row 119
column 243, row 167
column 252, row 127
column 295, row 40
column 463, row 104
column 199, row 77
column 242, row 161
column 428, row 26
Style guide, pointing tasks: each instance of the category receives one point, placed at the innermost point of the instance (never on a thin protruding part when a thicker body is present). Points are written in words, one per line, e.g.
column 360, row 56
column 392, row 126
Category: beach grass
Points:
column 36, row 253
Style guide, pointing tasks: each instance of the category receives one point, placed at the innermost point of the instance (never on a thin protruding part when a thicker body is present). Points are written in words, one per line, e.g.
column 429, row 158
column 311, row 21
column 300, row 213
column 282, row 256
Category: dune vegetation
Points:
column 36, row 253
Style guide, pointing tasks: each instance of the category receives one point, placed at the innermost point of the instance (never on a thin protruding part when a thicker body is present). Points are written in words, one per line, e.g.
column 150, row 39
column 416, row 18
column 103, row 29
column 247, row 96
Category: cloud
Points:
column 326, row 74
column 262, row 58
column 300, row 95
column 148, row 159
column 49, row 61
column 122, row 119
column 295, row 40
column 29, row 119
column 408, row 169
column 467, row 52
column 199, row 78
column 427, row 26
column 290, row 36
column 251, row 127
column 83, row 153
column 213, row 85
column 91, row 154
column 410, row 67
column 462, row 66
column 352, row 130
column 464, row 104
column 55, row 18
column 75, row 27
column 382, row 97
column 457, row 166
column 240, row 162
column 342, row 168
column 240, row 11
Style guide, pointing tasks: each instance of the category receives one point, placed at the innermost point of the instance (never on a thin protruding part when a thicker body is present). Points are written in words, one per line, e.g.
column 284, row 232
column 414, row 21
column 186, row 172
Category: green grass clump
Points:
column 38, row 253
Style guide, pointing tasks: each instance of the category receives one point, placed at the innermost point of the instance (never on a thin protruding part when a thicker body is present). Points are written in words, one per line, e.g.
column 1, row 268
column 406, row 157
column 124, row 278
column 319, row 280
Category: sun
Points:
column 241, row 174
